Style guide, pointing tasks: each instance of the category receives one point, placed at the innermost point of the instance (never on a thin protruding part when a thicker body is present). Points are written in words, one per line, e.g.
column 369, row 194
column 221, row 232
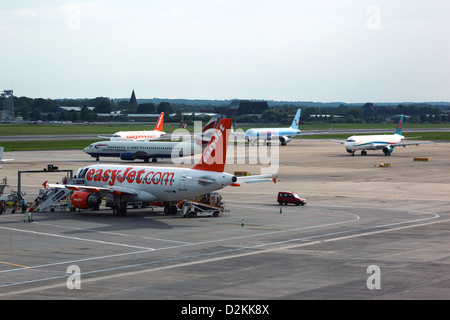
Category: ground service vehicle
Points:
column 290, row 197
column 209, row 204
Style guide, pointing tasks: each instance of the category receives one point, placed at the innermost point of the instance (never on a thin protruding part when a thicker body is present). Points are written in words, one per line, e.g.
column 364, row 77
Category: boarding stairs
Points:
column 50, row 199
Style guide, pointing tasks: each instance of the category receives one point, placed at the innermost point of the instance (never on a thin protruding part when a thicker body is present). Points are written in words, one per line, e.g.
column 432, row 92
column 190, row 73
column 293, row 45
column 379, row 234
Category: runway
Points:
column 358, row 215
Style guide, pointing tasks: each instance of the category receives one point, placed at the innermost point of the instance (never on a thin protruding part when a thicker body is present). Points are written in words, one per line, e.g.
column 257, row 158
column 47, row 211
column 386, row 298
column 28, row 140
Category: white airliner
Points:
column 1, row 156
column 120, row 184
column 146, row 150
column 139, row 135
column 283, row 134
column 385, row 142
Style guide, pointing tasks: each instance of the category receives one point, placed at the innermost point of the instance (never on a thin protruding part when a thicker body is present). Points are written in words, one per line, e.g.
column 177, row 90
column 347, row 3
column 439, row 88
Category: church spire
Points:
column 133, row 101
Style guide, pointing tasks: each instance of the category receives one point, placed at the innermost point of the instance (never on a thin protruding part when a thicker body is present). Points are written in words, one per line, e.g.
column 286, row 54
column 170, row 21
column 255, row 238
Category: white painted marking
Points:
column 292, row 246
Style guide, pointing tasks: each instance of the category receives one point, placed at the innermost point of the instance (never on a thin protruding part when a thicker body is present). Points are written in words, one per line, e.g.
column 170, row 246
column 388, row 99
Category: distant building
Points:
column 8, row 106
column 133, row 101
column 76, row 109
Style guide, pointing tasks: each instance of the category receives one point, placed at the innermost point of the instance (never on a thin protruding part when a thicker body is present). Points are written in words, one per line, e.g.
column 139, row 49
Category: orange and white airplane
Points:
column 139, row 135
column 120, row 184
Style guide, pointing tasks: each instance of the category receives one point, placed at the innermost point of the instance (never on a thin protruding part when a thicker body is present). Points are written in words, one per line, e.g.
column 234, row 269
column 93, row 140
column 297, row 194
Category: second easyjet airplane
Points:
column 139, row 135
column 120, row 184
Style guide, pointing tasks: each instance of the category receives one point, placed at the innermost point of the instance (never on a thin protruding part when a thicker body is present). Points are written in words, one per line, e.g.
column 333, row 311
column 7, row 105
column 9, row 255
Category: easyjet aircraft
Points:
column 139, row 135
column 120, row 184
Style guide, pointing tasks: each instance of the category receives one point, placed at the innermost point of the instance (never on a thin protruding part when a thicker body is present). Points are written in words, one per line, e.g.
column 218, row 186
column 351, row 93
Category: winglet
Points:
column 296, row 120
column 159, row 124
column 215, row 153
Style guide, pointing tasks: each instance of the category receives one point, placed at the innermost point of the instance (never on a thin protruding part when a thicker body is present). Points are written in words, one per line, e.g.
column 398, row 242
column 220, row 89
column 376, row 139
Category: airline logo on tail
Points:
column 399, row 126
column 296, row 120
column 159, row 124
column 209, row 126
column 214, row 155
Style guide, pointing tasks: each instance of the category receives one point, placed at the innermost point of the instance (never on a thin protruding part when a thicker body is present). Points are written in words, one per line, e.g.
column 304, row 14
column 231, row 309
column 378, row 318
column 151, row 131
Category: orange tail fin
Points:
column 215, row 153
column 159, row 124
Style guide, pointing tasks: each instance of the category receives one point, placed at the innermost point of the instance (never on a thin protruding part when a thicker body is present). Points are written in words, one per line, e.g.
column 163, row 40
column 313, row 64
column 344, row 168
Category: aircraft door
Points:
column 182, row 181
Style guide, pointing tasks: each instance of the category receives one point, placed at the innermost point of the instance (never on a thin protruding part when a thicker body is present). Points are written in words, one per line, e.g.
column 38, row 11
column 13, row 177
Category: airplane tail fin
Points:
column 206, row 132
column 210, row 125
column 296, row 120
column 215, row 153
column 159, row 124
column 399, row 126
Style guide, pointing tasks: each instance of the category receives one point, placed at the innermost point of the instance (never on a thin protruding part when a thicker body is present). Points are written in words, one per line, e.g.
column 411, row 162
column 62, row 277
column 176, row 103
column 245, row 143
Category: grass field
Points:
column 61, row 129
column 26, row 129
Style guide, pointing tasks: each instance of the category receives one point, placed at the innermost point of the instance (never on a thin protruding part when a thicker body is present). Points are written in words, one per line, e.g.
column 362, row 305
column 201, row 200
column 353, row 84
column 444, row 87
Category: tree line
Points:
column 40, row 109
column 242, row 111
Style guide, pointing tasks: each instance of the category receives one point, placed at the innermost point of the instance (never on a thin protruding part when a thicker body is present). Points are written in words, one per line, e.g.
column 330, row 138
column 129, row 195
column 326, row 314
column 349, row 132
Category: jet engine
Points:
column 387, row 151
column 85, row 200
column 126, row 156
column 284, row 140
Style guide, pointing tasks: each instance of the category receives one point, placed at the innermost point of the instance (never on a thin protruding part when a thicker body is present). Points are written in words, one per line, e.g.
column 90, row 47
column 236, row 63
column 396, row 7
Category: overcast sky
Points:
column 294, row 50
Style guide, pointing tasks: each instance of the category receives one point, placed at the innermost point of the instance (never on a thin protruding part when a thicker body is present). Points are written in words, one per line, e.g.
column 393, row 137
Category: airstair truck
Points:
column 209, row 204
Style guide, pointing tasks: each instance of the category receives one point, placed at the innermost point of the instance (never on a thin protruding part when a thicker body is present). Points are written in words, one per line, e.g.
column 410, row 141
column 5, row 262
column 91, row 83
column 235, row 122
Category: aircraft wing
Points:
column 105, row 137
column 141, row 155
column 404, row 144
column 1, row 156
column 112, row 190
column 338, row 141
column 168, row 136
column 311, row 133
column 379, row 146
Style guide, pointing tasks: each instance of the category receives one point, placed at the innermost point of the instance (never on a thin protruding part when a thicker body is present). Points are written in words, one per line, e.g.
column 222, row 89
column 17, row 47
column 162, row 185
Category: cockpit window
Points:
column 350, row 140
column 83, row 173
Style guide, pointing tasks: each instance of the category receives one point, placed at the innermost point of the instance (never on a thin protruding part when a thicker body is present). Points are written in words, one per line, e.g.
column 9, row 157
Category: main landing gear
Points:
column 352, row 152
column 170, row 208
column 120, row 210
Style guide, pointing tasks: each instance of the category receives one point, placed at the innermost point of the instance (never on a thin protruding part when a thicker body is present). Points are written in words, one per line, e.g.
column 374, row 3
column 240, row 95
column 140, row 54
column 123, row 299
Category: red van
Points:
column 290, row 197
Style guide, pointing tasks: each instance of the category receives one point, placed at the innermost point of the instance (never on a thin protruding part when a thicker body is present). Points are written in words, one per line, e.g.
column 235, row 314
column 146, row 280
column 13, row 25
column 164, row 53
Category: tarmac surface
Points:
column 367, row 232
